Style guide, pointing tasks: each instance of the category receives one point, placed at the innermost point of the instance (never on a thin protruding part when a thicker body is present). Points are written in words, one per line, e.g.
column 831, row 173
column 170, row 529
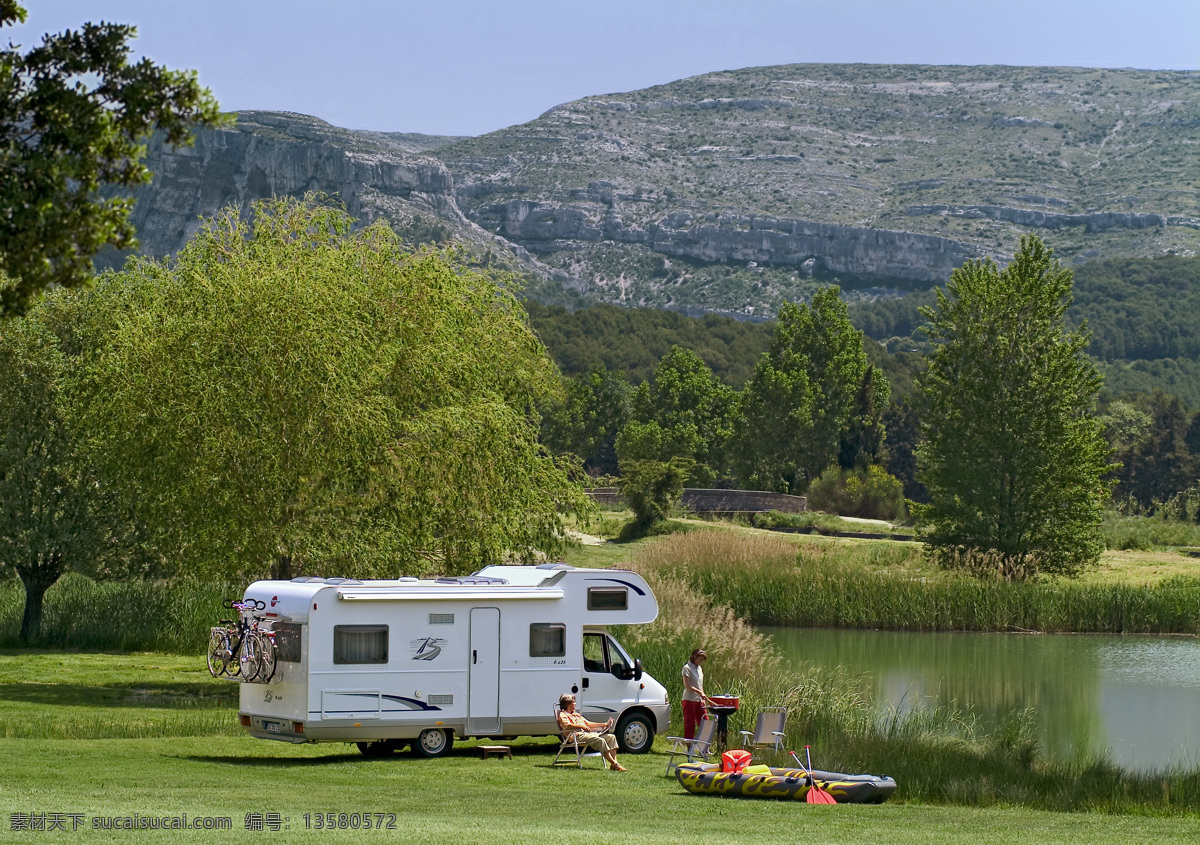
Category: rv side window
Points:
column 287, row 642
column 360, row 643
column 608, row 598
column 547, row 639
column 593, row 653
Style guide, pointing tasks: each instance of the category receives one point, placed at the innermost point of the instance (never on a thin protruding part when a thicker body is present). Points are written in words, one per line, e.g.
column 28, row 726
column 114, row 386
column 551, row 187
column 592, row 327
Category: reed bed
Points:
column 947, row 756
column 1121, row 531
column 165, row 616
column 769, row 581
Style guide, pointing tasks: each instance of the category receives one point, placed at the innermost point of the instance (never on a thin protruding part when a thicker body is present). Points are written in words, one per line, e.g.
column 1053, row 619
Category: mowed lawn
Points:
column 110, row 771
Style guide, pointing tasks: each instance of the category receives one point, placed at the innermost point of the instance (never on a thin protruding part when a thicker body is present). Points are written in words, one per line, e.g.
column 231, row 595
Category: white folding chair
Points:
column 768, row 730
column 699, row 746
column 576, row 749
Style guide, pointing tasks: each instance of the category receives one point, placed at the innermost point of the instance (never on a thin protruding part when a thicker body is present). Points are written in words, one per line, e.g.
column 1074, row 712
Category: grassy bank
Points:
column 772, row 580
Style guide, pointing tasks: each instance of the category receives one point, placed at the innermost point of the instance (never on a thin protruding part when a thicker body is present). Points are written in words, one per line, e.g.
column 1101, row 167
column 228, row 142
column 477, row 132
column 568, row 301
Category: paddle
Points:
column 816, row 795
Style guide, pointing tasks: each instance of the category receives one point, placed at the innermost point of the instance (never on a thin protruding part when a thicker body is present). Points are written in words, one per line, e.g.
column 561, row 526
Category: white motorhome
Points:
column 391, row 663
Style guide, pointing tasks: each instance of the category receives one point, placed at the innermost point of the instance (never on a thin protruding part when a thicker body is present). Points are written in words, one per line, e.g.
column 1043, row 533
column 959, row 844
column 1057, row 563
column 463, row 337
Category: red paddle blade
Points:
column 817, row 795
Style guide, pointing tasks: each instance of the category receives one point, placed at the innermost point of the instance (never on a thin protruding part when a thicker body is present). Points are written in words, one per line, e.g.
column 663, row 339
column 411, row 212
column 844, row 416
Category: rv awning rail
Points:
column 450, row 594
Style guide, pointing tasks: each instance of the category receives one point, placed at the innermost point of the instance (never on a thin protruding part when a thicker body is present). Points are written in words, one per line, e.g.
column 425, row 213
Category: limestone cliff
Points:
column 269, row 154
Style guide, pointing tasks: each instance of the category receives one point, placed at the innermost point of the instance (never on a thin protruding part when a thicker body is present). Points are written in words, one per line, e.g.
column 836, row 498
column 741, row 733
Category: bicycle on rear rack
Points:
column 235, row 647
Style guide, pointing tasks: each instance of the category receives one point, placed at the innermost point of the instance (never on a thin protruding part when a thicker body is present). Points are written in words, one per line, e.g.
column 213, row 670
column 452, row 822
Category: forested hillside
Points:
column 1144, row 315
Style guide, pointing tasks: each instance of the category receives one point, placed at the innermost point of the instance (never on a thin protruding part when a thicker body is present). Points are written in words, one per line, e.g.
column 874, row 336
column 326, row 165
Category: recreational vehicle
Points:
column 420, row 662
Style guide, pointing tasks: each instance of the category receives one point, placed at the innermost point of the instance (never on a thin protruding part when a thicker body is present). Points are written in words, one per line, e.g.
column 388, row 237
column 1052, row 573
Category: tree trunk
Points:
column 37, row 579
column 281, row 570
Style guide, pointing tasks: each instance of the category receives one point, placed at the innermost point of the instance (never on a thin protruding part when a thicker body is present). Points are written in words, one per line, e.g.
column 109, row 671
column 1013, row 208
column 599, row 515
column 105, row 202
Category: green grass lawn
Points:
column 73, row 739
column 465, row 799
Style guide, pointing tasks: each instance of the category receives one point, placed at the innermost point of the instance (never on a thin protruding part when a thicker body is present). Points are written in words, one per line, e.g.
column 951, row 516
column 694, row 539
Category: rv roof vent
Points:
column 473, row 581
column 337, row 580
column 559, row 565
column 408, row 578
column 303, row 579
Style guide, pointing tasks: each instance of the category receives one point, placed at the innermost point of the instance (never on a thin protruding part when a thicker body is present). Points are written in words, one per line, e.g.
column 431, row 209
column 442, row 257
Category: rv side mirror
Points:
column 637, row 669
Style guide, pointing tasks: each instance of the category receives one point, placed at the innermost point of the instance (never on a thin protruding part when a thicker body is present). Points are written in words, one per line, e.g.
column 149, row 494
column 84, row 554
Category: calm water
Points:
column 1136, row 698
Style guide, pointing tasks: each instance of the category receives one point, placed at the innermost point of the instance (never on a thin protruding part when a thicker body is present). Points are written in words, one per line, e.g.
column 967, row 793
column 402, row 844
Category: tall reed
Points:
column 769, row 581
column 79, row 613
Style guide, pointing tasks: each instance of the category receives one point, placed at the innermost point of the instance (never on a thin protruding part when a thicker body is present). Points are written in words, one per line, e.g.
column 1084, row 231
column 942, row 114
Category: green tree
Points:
column 54, row 516
column 683, row 413
column 1012, row 458
column 1156, row 461
column 304, row 397
column 74, row 115
column 586, row 419
column 813, row 398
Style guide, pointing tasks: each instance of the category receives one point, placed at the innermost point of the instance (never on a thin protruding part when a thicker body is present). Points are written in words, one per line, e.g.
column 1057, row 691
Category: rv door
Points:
column 483, row 697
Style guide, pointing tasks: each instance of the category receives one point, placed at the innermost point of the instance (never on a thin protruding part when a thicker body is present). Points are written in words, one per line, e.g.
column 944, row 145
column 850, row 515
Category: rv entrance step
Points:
column 502, row 750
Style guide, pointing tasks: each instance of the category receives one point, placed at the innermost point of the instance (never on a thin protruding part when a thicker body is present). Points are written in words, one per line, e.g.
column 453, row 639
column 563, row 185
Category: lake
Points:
column 1136, row 699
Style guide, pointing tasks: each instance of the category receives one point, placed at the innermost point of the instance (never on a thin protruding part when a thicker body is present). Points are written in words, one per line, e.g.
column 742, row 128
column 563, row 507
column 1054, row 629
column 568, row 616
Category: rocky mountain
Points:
column 883, row 176
column 733, row 191
column 264, row 154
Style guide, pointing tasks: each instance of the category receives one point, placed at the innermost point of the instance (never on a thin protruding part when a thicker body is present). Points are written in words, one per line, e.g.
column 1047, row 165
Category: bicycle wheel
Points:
column 251, row 657
column 218, row 651
column 266, row 651
column 233, row 664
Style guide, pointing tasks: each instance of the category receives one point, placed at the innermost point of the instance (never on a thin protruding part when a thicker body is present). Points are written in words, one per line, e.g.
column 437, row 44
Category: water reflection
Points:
column 1135, row 698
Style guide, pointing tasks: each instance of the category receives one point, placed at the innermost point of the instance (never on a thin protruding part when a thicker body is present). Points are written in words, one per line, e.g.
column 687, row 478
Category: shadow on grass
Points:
column 183, row 696
column 463, row 752
column 634, row 531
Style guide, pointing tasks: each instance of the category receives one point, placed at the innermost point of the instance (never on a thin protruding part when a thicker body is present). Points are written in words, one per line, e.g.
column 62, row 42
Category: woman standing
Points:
column 693, row 692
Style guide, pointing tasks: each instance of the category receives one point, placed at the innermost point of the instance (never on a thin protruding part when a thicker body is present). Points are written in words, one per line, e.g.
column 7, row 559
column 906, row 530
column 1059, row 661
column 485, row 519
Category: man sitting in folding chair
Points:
column 699, row 746
column 594, row 734
column 768, row 730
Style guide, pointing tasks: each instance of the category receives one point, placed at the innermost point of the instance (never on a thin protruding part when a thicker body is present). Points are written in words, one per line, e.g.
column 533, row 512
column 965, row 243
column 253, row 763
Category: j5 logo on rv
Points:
column 427, row 648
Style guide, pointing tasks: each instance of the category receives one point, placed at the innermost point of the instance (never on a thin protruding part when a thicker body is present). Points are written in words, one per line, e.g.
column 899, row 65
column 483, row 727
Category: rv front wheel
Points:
column 635, row 734
column 433, row 742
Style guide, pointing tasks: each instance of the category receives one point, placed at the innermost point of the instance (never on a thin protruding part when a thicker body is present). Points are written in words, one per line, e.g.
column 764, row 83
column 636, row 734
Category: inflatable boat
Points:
column 783, row 784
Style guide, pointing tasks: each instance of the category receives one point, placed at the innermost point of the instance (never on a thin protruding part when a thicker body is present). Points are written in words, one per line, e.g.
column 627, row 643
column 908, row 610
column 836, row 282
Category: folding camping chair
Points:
column 700, row 746
column 768, row 730
column 575, row 749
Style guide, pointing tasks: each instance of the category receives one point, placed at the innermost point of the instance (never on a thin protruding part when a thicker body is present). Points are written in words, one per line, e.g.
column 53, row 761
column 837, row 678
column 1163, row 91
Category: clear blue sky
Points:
column 464, row 67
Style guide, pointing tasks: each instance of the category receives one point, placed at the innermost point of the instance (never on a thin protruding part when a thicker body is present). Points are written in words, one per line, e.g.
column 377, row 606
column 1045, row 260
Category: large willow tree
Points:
column 298, row 396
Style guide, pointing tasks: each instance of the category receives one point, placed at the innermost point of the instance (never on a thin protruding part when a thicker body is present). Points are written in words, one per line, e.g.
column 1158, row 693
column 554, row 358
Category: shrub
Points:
column 872, row 493
column 652, row 487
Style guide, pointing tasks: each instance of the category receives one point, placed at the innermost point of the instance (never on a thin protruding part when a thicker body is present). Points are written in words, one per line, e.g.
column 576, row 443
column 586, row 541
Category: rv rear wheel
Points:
column 433, row 742
column 635, row 734
column 379, row 747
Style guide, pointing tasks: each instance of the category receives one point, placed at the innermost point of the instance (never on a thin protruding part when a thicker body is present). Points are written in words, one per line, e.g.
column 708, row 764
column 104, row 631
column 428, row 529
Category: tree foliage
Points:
column 684, row 412
column 305, row 397
column 1012, row 459
column 813, row 397
column 54, row 516
column 1151, row 445
column 586, row 418
column 74, row 114
column 634, row 340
